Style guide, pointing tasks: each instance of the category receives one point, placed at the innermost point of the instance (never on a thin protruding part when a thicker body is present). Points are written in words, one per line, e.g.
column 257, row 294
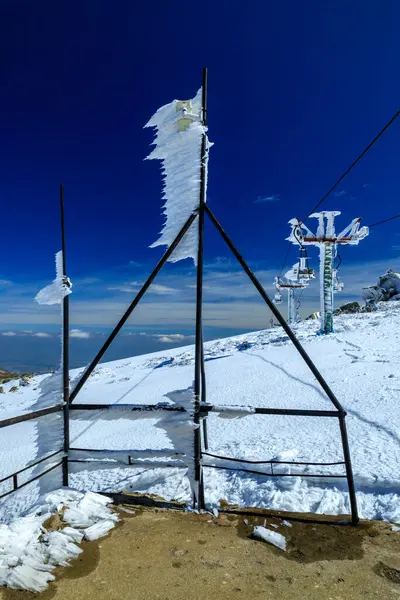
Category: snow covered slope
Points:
column 360, row 361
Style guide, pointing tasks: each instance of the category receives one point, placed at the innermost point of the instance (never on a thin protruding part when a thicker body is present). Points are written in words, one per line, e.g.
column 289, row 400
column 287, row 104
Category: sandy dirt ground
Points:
column 170, row 555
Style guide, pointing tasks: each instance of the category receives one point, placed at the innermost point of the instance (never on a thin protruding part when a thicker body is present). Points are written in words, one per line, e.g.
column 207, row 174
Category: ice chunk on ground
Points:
column 89, row 510
column 98, row 530
column 28, row 553
column 287, row 524
column 272, row 537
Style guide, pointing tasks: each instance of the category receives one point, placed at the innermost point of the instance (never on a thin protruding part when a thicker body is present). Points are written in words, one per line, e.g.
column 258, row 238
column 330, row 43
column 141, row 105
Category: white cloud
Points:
column 157, row 288
column 271, row 198
column 172, row 337
column 122, row 288
column 78, row 333
column 134, row 287
column 340, row 194
column 5, row 283
column 8, row 333
column 42, row 335
column 166, row 338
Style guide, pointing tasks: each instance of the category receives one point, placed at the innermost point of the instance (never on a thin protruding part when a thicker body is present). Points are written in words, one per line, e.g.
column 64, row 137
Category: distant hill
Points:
column 7, row 375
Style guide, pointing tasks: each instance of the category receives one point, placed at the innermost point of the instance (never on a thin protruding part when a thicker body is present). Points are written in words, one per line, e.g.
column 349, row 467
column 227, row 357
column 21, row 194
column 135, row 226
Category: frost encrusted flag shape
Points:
column 179, row 132
column 56, row 291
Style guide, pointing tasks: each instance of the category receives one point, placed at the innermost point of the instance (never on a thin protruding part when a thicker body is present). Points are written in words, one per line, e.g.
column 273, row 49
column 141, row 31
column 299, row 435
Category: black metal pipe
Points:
column 37, row 462
column 65, row 346
column 160, row 453
column 270, row 462
column 32, row 480
column 279, row 515
column 145, row 465
column 349, row 470
column 29, row 416
column 128, row 312
column 307, row 360
column 277, row 314
column 204, row 392
column 199, row 356
column 131, row 407
column 276, row 411
column 205, row 409
column 277, row 474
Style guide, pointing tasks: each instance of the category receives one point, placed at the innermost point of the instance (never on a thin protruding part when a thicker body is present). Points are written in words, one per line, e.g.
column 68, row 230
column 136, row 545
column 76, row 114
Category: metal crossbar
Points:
column 18, row 487
column 29, row 416
column 275, row 462
column 31, row 465
column 132, row 407
column 206, row 408
column 21, row 419
column 272, row 474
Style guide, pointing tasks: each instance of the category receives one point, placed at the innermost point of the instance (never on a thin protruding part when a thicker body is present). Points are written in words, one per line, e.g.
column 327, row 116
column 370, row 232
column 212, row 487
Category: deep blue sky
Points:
column 296, row 90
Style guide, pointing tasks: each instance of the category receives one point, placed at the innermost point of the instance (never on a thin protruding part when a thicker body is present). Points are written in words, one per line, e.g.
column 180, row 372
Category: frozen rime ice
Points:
column 50, row 428
column 29, row 553
column 56, row 291
column 179, row 134
column 179, row 429
column 272, row 537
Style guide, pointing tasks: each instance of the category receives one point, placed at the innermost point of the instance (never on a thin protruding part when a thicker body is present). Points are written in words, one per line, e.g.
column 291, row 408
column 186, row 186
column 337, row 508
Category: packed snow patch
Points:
column 29, row 553
column 360, row 362
column 272, row 537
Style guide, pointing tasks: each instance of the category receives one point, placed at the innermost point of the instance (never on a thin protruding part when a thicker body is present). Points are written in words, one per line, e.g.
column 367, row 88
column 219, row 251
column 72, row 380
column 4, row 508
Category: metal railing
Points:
column 14, row 476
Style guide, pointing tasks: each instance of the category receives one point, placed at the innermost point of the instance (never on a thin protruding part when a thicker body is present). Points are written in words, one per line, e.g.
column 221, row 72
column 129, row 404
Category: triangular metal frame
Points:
column 201, row 408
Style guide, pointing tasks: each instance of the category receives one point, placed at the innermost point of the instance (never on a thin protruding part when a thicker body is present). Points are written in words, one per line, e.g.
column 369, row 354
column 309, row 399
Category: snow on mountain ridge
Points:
column 360, row 362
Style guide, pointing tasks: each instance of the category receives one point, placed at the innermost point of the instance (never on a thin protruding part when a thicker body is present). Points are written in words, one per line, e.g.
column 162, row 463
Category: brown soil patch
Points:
column 169, row 555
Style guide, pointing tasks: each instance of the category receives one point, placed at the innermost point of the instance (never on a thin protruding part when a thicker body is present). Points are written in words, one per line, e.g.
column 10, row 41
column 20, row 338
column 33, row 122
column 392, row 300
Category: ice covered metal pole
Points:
column 65, row 345
column 199, row 351
column 291, row 311
column 326, row 253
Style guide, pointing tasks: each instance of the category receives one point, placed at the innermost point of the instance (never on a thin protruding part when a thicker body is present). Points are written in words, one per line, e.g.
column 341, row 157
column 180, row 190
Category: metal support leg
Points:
column 349, row 471
column 65, row 350
column 306, row 358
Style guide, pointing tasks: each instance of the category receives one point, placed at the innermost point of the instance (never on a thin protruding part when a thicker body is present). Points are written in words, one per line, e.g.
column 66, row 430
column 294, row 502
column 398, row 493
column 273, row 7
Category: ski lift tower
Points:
column 290, row 286
column 298, row 277
column 327, row 241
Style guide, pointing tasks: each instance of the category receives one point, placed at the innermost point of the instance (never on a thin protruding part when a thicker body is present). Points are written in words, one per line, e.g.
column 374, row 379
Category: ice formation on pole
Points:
column 50, row 427
column 179, row 429
column 327, row 240
column 179, row 134
column 56, row 291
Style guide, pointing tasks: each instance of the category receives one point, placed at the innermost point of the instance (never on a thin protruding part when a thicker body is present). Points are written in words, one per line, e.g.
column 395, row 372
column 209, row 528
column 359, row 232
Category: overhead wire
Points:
column 353, row 164
column 384, row 221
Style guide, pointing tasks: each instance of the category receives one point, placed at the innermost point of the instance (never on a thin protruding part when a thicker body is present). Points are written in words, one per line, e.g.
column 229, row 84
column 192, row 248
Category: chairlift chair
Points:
column 338, row 285
column 278, row 295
